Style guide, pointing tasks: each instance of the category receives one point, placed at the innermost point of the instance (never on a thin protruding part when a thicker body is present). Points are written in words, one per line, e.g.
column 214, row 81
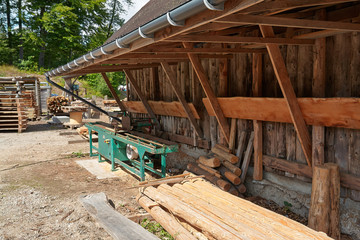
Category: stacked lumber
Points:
column 197, row 209
column 12, row 106
column 222, row 168
column 55, row 103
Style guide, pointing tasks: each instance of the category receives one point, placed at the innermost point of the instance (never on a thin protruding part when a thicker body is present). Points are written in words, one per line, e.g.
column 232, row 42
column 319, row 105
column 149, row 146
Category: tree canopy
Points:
column 49, row 33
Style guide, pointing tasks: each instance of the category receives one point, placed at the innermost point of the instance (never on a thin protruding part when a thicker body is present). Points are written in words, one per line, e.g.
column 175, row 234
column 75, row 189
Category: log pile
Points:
column 55, row 103
column 196, row 209
column 222, row 168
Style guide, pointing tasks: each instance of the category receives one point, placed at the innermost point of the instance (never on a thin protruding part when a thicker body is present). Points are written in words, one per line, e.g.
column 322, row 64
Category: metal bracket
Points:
column 143, row 35
column 62, row 67
column 104, row 52
column 120, row 45
column 58, row 70
column 86, row 60
column 92, row 56
column 174, row 23
column 68, row 65
column 53, row 72
column 76, row 64
column 210, row 6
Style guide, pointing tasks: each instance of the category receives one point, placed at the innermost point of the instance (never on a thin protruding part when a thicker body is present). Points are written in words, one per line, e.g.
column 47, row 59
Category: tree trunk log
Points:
column 210, row 161
column 227, row 156
column 334, row 230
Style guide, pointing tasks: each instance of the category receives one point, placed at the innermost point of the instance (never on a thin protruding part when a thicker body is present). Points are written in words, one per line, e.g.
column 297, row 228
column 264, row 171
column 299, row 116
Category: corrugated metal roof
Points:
column 151, row 10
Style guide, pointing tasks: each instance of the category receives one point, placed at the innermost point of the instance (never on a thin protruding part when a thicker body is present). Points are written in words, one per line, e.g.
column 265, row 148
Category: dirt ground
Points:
column 40, row 184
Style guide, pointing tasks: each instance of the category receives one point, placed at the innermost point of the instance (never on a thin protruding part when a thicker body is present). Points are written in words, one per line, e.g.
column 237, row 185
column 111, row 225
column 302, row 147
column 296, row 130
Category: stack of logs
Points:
column 222, row 168
column 55, row 103
column 196, row 209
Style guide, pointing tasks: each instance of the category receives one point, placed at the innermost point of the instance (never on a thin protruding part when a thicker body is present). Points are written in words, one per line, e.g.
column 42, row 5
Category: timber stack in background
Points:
column 55, row 104
column 19, row 101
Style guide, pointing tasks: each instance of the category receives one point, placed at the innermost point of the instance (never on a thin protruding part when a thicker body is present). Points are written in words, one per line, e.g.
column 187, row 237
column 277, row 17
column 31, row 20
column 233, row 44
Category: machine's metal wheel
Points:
column 131, row 152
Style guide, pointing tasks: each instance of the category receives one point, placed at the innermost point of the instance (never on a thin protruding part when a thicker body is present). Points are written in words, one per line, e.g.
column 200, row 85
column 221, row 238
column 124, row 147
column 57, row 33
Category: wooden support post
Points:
column 132, row 80
column 334, row 228
column 319, row 213
column 258, row 133
column 113, row 92
column 287, row 89
column 177, row 89
column 232, row 135
column 155, row 83
column 195, row 61
column 318, row 90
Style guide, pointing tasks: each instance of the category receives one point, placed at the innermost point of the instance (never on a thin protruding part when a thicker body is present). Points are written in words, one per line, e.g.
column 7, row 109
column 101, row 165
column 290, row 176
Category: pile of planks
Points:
column 12, row 107
column 54, row 104
column 222, row 168
column 198, row 210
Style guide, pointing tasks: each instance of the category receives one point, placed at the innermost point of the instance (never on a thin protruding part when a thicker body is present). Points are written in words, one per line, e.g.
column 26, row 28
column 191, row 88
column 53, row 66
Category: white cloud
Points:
column 134, row 8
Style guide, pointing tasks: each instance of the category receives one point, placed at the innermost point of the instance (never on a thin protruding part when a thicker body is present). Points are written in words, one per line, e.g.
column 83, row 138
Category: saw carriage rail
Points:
column 112, row 146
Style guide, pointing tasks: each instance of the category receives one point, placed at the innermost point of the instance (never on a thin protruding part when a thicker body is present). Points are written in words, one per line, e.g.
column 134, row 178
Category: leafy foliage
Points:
column 36, row 35
column 156, row 229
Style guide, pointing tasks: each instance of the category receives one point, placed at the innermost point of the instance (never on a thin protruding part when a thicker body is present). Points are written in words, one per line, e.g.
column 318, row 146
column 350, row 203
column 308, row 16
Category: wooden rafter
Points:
column 230, row 7
column 177, row 89
column 235, row 39
column 283, row 5
column 143, row 99
column 113, row 92
column 288, row 92
column 290, row 22
column 195, row 61
column 201, row 50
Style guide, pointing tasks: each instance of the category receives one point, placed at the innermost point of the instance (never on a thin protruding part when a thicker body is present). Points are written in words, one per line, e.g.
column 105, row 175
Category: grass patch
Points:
column 156, row 229
column 78, row 154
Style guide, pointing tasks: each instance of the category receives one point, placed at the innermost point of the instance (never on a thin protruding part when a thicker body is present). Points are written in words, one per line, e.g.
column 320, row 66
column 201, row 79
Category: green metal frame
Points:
column 112, row 146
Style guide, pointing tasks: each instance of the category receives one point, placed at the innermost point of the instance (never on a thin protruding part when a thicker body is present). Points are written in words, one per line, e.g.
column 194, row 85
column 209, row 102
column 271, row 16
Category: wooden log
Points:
column 319, row 213
column 212, row 210
column 194, row 217
column 241, row 188
column 209, row 169
column 209, row 161
column 232, row 168
column 234, row 191
column 334, row 229
column 213, row 179
column 232, row 135
column 117, row 225
column 247, row 157
column 241, row 146
column 223, row 148
column 227, row 156
column 229, row 175
column 166, row 220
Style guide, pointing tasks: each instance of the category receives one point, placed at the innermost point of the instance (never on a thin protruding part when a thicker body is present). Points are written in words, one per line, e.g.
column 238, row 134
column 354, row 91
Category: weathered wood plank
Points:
column 288, row 92
column 149, row 110
column 188, row 111
column 113, row 92
column 117, row 225
column 195, row 61
column 347, row 180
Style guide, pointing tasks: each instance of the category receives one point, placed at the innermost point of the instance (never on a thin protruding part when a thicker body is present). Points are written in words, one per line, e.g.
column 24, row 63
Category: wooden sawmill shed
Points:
column 289, row 70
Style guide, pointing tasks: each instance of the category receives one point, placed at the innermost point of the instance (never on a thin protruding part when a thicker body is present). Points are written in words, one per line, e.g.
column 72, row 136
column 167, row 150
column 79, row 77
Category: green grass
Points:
column 156, row 229
column 78, row 154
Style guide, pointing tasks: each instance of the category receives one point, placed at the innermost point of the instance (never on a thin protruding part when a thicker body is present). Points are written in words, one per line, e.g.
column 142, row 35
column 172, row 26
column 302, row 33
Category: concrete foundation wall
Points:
column 280, row 189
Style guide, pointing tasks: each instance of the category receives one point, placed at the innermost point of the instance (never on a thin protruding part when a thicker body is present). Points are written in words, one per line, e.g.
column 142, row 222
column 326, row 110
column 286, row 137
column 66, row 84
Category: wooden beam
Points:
column 235, row 39
column 113, row 92
column 290, row 22
column 282, row 76
column 285, row 4
column 200, row 50
column 318, row 90
column 258, row 133
column 161, row 108
column 195, row 61
column 177, row 89
column 329, row 112
column 347, row 180
column 143, row 99
column 230, row 7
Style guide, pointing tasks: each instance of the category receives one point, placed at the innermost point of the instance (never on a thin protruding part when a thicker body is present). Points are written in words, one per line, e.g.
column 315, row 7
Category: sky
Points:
column 137, row 4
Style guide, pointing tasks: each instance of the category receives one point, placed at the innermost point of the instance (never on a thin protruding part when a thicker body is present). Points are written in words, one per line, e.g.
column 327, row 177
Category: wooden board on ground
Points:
column 117, row 225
